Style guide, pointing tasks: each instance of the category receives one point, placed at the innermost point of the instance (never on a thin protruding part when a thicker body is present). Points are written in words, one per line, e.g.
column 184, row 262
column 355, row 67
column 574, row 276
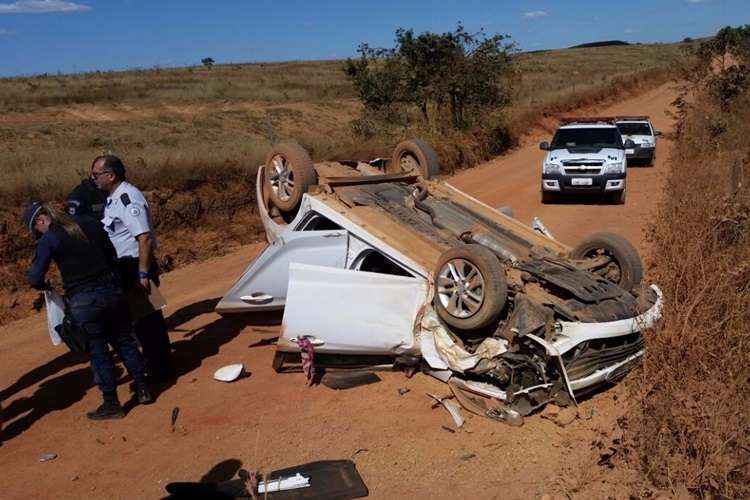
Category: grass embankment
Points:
column 194, row 136
column 691, row 427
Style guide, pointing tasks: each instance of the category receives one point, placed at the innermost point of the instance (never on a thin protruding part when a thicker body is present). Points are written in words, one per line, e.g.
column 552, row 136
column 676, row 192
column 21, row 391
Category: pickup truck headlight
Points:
column 551, row 168
column 614, row 168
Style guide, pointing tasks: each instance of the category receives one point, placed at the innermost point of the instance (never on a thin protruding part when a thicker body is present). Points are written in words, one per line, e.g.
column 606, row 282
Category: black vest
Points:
column 82, row 263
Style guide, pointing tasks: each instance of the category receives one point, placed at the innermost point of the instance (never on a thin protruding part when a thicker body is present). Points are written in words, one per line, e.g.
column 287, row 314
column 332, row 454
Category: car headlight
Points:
column 551, row 168
column 614, row 168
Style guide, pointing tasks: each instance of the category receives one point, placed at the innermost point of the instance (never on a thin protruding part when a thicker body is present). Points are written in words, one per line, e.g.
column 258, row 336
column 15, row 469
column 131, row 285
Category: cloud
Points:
column 41, row 7
column 696, row 1
column 630, row 31
column 6, row 32
column 534, row 14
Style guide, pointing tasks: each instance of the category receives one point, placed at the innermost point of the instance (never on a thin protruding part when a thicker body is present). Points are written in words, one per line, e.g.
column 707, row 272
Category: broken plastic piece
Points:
column 452, row 408
column 46, row 457
column 283, row 484
column 229, row 373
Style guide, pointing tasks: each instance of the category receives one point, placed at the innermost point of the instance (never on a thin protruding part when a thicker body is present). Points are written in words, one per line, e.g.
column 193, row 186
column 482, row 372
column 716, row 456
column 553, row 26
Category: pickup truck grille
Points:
column 583, row 170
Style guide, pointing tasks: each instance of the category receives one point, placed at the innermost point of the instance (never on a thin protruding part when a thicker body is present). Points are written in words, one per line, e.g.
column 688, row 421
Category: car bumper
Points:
column 641, row 153
column 563, row 183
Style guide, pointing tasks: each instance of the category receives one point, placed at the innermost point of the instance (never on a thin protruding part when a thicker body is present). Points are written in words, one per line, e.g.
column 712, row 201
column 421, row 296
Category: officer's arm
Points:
column 145, row 251
column 42, row 258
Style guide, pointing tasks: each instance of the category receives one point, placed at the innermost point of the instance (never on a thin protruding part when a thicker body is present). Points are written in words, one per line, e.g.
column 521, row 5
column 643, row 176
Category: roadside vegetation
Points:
column 193, row 137
column 691, row 428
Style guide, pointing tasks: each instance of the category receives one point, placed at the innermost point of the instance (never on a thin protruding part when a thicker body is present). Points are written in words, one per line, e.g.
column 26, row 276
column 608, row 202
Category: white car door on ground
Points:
column 263, row 285
column 352, row 312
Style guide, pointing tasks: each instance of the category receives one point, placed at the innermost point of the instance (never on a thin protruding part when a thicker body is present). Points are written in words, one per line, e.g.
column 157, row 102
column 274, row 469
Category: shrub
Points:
column 457, row 75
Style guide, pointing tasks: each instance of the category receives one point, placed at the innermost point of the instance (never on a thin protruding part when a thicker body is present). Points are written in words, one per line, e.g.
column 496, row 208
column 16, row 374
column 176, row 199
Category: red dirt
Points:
column 271, row 420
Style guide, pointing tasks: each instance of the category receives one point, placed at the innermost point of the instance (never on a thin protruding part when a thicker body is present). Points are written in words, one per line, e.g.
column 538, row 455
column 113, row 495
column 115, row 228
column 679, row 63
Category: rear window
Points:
column 634, row 128
column 587, row 138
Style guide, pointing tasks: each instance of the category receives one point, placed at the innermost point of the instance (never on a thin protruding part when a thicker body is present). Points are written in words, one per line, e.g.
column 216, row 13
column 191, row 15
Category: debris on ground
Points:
column 446, row 428
column 561, row 417
column 468, row 456
column 229, row 373
column 175, row 413
column 403, row 391
column 307, row 355
column 358, row 451
column 453, row 408
column 348, row 379
column 47, row 457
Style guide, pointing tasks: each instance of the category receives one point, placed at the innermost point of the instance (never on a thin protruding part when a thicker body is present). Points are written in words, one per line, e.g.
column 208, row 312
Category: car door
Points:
column 263, row 285
column 352, row 312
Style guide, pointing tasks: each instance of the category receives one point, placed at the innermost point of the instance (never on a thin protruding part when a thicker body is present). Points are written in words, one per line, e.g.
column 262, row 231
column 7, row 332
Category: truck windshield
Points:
column 634, row 128
column 587, row 138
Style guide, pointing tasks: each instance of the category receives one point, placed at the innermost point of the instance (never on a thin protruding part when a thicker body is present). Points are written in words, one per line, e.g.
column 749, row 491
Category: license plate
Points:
column 629, row 151
column 586, row 181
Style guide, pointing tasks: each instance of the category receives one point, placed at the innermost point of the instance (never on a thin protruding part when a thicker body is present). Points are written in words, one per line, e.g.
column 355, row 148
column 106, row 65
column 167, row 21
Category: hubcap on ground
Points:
column 282, row 178
column 460, row 288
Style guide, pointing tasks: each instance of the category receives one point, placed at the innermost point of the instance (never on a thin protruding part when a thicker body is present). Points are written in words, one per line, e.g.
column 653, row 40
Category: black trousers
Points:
column 151, row 330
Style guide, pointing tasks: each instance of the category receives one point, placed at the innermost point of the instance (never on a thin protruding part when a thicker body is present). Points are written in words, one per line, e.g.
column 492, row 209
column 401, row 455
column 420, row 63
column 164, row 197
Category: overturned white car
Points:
column 374, row 260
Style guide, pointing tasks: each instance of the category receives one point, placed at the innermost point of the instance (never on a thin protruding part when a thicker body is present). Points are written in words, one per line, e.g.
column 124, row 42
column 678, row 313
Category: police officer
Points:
column 87, row 199
column 128, row 225
column 85, row 258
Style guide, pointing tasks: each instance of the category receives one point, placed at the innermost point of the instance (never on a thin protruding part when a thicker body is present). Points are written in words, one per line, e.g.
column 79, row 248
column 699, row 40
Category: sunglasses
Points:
column 96, row 175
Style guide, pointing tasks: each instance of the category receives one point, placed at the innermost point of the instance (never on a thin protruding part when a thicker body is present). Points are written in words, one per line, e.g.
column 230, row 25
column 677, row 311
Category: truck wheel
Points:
column 548, row 197
column 617, row 198
column 414, row 156
column 624, row 269
column 471, row 288
column 289, row 174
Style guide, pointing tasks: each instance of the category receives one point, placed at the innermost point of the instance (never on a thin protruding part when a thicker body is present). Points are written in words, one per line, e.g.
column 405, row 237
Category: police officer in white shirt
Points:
column 128, row 224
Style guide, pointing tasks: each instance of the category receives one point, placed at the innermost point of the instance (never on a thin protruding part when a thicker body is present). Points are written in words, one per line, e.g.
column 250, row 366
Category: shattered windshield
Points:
column 634, row 128
column 587, row 138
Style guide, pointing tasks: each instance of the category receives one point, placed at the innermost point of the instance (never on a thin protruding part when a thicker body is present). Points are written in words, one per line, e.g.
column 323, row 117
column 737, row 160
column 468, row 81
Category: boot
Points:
column 144, row 394
column 110, row 409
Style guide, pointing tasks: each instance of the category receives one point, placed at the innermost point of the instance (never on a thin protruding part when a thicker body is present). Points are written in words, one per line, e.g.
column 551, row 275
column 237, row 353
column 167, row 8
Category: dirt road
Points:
column 268, row 421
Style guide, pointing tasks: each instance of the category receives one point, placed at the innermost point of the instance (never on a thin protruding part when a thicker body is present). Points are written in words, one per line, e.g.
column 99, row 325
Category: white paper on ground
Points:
column 55, row 307
column 284, row 483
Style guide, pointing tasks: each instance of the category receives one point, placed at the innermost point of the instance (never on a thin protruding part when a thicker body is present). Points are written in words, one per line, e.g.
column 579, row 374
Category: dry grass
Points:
column 181, row 128
column 692, row 425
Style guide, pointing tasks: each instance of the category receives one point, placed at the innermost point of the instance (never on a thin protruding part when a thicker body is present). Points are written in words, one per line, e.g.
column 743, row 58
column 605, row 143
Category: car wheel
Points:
column 624, row 267
column 470, row 287
column 289, row 174
column 617, row 198
column 414, row 156
column 548, row 197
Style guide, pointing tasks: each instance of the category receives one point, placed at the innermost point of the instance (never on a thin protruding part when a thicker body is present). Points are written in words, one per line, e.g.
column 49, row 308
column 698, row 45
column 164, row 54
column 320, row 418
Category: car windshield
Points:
column 634, row 128
column 587, row 138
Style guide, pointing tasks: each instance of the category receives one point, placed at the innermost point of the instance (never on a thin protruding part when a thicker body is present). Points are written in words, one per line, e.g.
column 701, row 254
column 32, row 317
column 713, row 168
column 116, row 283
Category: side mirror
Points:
column 658, row 132
column 544, row 146
column 629, row 144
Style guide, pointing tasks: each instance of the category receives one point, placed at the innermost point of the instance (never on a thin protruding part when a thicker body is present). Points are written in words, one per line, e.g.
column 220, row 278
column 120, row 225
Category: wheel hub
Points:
column 282, row 178
column 460, row 288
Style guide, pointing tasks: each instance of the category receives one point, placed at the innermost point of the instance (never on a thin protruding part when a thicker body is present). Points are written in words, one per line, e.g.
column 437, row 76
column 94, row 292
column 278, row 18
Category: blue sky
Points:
column 39, row 36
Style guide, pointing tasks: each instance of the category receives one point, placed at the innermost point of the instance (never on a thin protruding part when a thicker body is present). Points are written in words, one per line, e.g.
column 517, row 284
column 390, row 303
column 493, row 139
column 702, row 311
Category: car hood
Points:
column 586, row 154
column 638, row 139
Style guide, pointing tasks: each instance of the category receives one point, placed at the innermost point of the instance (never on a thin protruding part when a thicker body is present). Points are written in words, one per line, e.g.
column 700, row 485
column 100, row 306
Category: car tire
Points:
column 548, row 197
column 628, row 270
column 289, row 173
column 414, row 155
column 478, row 266
column 618, row 198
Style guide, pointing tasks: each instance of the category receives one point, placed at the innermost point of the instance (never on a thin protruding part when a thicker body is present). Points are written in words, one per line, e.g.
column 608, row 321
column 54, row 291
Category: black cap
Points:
column 29, row 215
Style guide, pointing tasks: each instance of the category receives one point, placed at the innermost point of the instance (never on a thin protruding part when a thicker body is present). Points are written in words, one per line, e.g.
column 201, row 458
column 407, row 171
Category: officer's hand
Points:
column 146, row 284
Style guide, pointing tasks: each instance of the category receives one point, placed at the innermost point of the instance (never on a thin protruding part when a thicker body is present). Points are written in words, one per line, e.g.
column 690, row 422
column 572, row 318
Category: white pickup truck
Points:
column 639, row 130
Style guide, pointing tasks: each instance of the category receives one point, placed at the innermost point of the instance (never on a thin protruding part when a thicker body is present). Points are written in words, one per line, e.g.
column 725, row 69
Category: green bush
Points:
column 452, row 79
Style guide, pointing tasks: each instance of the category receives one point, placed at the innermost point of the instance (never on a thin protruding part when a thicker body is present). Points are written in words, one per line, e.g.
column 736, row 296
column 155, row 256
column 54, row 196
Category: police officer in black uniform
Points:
column 87, row 199
column 85, row 258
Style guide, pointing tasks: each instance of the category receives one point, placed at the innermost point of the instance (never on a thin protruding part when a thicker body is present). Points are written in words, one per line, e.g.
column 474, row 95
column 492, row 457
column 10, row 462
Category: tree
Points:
column 208, row 62
column 456, row 75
